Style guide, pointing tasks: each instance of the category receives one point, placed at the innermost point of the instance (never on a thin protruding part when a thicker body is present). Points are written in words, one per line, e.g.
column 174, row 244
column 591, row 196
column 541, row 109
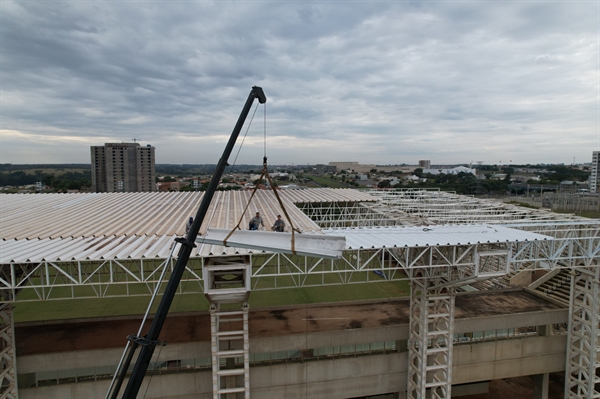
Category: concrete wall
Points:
column 337, row 378
column 346, row 377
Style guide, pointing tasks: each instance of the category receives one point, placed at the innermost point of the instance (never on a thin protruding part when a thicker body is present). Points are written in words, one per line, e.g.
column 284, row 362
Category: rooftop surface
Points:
column 32, row 338
column 100, row 226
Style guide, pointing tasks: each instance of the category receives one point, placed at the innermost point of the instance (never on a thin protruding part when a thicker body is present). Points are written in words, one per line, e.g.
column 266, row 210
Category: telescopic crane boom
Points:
column 149, row 341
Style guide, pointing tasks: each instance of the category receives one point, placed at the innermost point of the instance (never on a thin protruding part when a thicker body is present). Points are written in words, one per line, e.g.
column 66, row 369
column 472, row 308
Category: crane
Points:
column 149, row 342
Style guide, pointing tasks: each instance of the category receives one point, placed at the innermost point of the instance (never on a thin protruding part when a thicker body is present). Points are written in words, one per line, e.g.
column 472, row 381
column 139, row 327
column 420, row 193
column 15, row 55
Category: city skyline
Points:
column 374, row 82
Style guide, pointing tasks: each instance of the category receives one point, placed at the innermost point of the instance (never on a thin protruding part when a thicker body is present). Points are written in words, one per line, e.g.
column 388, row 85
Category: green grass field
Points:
column 127, row 306
column 325, row 182
column 585, row 214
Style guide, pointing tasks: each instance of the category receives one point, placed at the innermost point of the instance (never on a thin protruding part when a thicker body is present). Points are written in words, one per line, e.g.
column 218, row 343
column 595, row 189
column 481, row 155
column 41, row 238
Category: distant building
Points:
column 366, row 168
column 322, row 169
column 453, row 171
column 123, row 167
column 595, row 172
column 425, row 164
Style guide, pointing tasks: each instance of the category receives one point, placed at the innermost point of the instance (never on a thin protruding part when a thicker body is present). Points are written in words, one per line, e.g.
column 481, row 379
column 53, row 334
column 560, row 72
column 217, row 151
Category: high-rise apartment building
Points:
column 123, row 167
column 425, row 164
column 595, row 174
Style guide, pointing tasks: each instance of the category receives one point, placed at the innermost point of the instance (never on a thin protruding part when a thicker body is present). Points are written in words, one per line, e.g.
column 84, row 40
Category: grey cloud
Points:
column 390, row 76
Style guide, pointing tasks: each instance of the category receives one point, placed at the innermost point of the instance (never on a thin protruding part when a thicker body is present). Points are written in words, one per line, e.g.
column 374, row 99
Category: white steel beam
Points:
column 317, row 245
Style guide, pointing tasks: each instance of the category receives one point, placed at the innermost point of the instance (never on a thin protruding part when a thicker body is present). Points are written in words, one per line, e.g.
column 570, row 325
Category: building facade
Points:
column 123, row 167
column 595, row 172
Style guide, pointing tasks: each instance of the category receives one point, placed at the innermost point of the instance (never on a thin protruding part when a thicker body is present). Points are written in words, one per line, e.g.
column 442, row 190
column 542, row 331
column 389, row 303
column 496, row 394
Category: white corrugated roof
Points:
column 64, row 227
column 101, row 248
column 415, row 236
column 33, row 216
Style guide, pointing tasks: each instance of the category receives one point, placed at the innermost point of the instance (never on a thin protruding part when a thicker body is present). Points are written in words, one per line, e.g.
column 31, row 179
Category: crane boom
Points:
column 149, row 341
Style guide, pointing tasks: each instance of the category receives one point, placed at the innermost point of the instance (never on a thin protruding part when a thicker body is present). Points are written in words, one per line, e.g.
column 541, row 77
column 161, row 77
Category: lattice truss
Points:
column 431, row 336
column 445, row 207
column 8, row 373
column 330, row 215
column 582, row 380
column 576, row 243
column 432, row 270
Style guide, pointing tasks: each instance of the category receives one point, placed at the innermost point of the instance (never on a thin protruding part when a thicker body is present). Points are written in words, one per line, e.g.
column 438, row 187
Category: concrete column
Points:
column 544, row 330
column 402, row 345
column 540, row 386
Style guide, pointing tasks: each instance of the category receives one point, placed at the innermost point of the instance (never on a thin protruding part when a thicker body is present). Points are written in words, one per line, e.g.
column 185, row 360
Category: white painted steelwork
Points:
column 316, row 245
column 431, row 337
column 583, row 352
column 39, row 216
column 444, row 207
column 334, row 215
column 225, row 347
column 415, row 236
column 71, row 246
column 227, row 281
column 8, row 357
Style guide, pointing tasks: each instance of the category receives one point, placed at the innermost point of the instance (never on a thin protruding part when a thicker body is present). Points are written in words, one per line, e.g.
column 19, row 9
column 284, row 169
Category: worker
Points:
column 255, row 221
column 279, row 225
column 188, row 225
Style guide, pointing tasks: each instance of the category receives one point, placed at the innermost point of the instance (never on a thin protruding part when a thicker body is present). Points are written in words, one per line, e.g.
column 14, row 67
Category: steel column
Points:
column 431, row 338
column 8, row 358
column 581, row 379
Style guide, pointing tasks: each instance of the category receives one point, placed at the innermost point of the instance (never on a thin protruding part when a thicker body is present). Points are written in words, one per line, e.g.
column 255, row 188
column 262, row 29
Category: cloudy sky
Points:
column 384, row 82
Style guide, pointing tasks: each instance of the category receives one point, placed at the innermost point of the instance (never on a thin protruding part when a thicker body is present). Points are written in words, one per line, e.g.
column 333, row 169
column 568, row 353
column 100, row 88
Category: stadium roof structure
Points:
column 60, row 229
column 101, row 226
column 63, row 246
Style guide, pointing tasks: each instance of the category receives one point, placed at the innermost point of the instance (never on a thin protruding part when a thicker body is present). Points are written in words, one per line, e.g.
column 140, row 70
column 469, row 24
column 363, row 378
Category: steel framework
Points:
column 334, row 215
column 582, row 379
column 431, row 336
column 8, row 359
column 574, row 244
column 434, row 271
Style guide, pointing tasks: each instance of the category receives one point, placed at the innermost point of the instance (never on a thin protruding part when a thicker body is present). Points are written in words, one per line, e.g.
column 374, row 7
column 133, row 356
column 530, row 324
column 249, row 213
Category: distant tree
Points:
column 168, row 179
column 383, row 184
column 373, row 170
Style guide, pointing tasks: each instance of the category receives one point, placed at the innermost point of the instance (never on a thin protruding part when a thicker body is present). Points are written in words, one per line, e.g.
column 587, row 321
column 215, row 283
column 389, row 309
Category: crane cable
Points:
column 265, row 173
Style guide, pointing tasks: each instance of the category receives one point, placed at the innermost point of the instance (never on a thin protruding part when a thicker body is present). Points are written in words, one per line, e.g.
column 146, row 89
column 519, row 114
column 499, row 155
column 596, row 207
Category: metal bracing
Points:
column 8, row 358
column 582, row 379
column 445, row 207
column 431, row 337
column 575, row 244
column 329, row 215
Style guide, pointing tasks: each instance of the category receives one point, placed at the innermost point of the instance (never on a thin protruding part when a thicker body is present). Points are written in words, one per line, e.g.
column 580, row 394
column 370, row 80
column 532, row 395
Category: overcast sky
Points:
column 383, row 82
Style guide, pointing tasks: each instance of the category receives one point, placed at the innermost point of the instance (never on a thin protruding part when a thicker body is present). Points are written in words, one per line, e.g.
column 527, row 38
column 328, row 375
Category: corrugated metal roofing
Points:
column 415, row 236
column 84, row 215
column 65, row 227
column 100, row 248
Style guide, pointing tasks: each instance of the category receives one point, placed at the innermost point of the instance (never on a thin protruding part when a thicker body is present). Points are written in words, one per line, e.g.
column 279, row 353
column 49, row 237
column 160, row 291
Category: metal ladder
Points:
column 227, row 282
column 229, row 341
